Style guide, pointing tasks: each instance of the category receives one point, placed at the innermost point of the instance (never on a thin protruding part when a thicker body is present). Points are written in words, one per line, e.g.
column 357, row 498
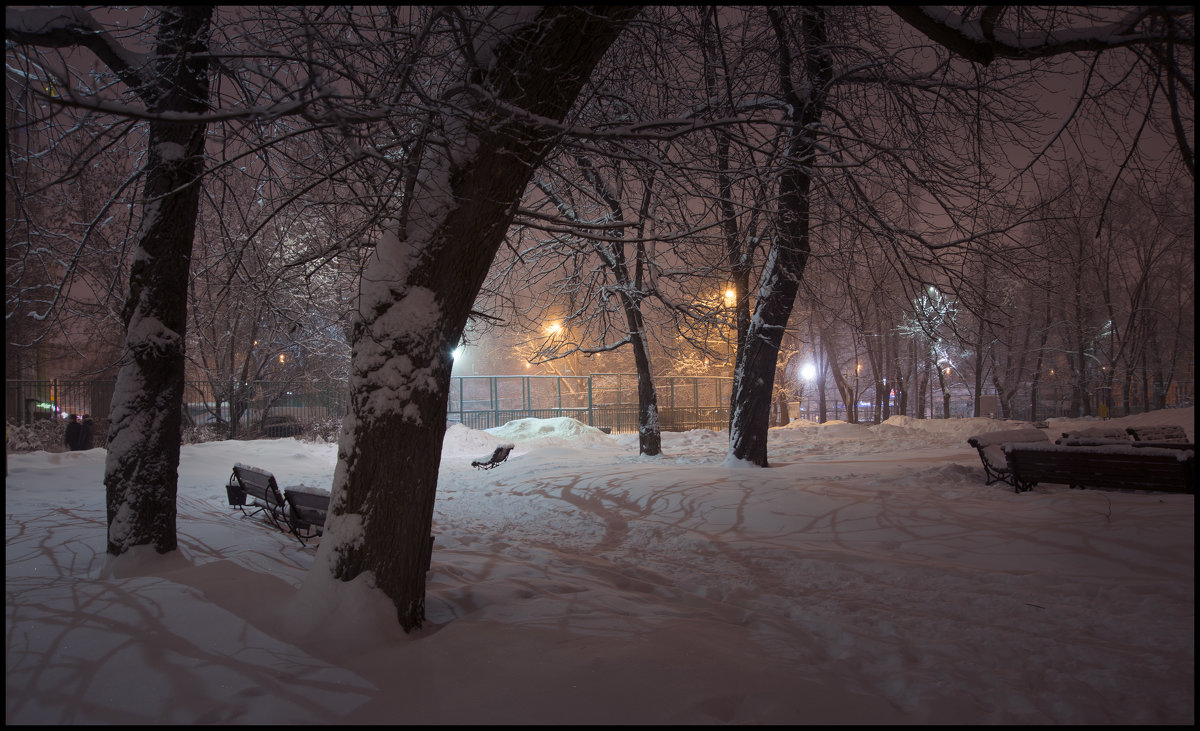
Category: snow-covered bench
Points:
column 989, row 445
column 1161, row 433
column 307, row 510
column 254, row 488
column 1121, row 466
column 298, row 510
column 498, row 455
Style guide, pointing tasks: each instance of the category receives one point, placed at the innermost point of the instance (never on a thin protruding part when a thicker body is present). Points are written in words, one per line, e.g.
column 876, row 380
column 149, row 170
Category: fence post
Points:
column 591, row 421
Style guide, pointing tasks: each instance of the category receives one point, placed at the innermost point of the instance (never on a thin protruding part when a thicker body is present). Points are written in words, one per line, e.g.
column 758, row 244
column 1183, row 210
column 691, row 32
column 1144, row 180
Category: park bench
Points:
column 1162, row 433
column 498, row 455
column 1113, row 466
column 299, row 510
column 989, row 445
column 259, row 487
column 307, row 509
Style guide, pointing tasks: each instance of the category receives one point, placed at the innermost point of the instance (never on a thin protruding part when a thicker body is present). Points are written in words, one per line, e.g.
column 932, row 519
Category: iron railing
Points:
column 604, row 400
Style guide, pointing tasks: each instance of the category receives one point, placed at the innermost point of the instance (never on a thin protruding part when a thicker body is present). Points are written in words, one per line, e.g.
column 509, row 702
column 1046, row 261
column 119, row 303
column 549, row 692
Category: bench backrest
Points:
column 307, row 508
column 1097, row 432
column 1161, row 433
column 989, row 443
column 1008, row 436
column 259, row 484
column 1104, row 466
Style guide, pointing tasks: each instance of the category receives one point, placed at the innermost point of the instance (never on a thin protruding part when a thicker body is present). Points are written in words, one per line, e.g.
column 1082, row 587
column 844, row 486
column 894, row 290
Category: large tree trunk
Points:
column 418, row 289
column 141, row 469
column 754, row 377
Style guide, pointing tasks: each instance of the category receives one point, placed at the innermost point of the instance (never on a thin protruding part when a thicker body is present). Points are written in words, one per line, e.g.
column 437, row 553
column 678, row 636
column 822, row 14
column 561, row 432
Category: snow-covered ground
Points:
column 868, row 576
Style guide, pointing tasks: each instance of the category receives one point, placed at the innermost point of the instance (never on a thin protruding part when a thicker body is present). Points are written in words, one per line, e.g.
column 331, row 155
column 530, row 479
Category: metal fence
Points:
column 604, row 400
column 608, row 401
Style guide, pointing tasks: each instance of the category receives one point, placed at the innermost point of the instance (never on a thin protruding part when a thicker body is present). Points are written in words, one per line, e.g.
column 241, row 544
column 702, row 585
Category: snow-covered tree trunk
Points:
column 419, row 285
column 143, row 439
column 754, row 377
column 141, row 469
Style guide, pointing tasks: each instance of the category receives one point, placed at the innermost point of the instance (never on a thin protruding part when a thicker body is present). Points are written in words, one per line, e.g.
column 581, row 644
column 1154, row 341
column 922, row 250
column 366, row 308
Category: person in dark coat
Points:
column 87, row 433
column 72, row 437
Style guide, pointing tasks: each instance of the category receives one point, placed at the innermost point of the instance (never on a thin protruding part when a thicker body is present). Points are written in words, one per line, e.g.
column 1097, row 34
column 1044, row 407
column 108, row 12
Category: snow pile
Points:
column 464, row 441
column 550, row 432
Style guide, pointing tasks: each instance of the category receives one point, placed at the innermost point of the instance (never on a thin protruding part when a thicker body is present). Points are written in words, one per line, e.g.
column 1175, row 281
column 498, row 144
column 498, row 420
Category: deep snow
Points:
column 869, row 576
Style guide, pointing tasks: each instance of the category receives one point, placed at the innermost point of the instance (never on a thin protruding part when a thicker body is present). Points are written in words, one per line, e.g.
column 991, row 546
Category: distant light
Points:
column 554, row 327
column 281, row 357
column 457, row 353
column 808, row 371
column 730, row 297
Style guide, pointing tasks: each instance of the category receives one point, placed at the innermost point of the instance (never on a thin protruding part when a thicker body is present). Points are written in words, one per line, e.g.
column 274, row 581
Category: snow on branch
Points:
column 66, row 26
